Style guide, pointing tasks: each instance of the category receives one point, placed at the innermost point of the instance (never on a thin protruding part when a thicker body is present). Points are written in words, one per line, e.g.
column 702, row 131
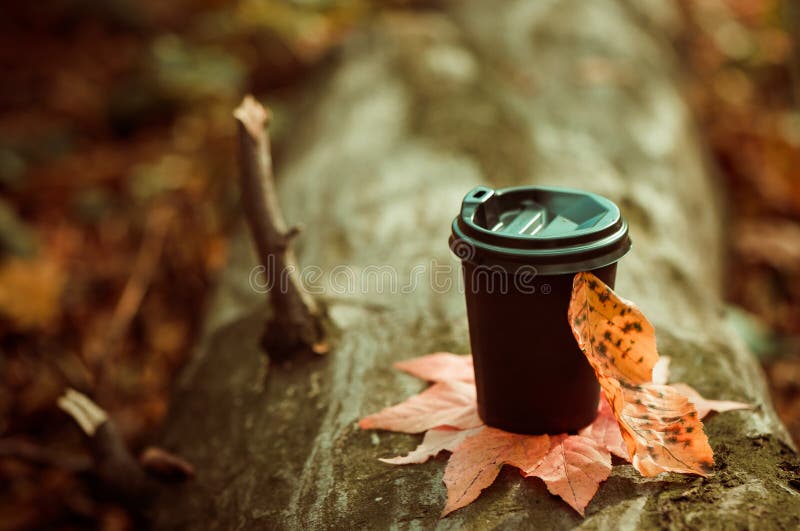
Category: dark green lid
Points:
column 557, row 230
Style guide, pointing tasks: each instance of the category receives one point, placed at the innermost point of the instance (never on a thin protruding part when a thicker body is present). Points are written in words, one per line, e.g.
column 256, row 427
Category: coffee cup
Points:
column 520, row 249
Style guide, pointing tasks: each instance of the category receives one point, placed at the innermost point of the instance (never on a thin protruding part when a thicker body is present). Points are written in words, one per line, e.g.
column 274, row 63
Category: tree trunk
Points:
column 415, row 112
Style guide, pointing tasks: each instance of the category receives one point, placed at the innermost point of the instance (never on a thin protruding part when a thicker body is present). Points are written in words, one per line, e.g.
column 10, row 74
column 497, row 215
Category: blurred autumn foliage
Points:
column 744, row 86
column 116, row 172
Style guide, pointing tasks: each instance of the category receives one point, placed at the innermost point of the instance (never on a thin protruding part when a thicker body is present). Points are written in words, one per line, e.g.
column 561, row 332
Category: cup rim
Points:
column 580, row 250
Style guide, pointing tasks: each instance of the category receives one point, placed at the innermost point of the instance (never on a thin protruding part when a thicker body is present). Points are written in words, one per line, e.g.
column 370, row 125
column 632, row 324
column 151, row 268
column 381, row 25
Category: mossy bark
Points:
column 414, row 112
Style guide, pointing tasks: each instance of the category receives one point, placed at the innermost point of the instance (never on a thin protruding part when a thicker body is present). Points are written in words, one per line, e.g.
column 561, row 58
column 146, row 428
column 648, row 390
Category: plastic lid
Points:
column 558, row 230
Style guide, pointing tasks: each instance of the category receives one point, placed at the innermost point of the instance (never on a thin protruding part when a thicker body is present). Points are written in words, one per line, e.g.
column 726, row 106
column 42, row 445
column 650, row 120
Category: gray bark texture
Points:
column 416, row 111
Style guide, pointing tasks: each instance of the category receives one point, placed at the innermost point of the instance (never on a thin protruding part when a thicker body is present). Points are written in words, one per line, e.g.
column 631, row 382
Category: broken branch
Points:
column 295, row 326
column 127, row 479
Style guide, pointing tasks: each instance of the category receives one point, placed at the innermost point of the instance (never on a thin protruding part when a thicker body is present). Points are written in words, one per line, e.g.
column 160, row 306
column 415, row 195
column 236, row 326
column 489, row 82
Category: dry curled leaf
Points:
column 477, row 461
column 661, row 417
column 665, row 430
column 661, row 428
column 573, row 469
column 616, row 337
column 448, row 403
column 705, row 406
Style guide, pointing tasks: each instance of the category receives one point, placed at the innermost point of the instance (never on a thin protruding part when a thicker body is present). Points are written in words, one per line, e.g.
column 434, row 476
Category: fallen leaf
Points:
column 653, row 425
column 661, row 428
column 477, row 461
column 573, row 469
column 614, row 334
column 439, row 366
column 663, row 432
column 436, row 440
column 605, row 431
column 705, row 406
column 448, row 403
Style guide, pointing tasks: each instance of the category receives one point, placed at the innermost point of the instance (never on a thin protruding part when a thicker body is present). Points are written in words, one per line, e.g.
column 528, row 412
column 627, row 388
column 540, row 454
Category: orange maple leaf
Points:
column 476, row 464
column 477, row 461
column 573, row 469
column 661, row 428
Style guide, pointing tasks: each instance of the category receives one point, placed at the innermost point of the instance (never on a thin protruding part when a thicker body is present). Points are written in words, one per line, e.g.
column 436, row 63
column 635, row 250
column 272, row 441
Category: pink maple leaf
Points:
column 572, row 467
column 605, row 430
column 436, row 440
column 448, row 403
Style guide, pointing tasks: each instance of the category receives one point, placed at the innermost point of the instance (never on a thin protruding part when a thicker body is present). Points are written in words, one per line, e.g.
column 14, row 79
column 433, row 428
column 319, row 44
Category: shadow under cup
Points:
column 520, row 249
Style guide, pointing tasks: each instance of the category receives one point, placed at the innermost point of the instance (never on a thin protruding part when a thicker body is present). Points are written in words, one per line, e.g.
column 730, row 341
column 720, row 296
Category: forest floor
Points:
column 117, row 174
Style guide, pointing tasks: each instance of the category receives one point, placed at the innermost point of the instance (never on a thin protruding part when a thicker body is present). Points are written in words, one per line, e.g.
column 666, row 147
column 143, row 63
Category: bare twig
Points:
column 144, row 269
column 164, row 465
column 126, row 478
column 102, row 354
column 86, row 413
column 114, row 465
column 296, row 324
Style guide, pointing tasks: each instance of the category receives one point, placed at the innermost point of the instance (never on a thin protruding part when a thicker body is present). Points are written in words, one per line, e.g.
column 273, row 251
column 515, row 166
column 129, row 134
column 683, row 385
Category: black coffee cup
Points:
column 520, row 249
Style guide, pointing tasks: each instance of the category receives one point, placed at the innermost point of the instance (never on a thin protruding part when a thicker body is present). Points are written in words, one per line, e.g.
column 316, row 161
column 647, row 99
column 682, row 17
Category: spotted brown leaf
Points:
column 660, row 426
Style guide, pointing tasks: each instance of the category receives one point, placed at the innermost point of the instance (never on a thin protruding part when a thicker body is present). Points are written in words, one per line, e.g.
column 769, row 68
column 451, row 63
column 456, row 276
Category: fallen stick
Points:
column 101, row 355
column 295, row 324
column 125, row 478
